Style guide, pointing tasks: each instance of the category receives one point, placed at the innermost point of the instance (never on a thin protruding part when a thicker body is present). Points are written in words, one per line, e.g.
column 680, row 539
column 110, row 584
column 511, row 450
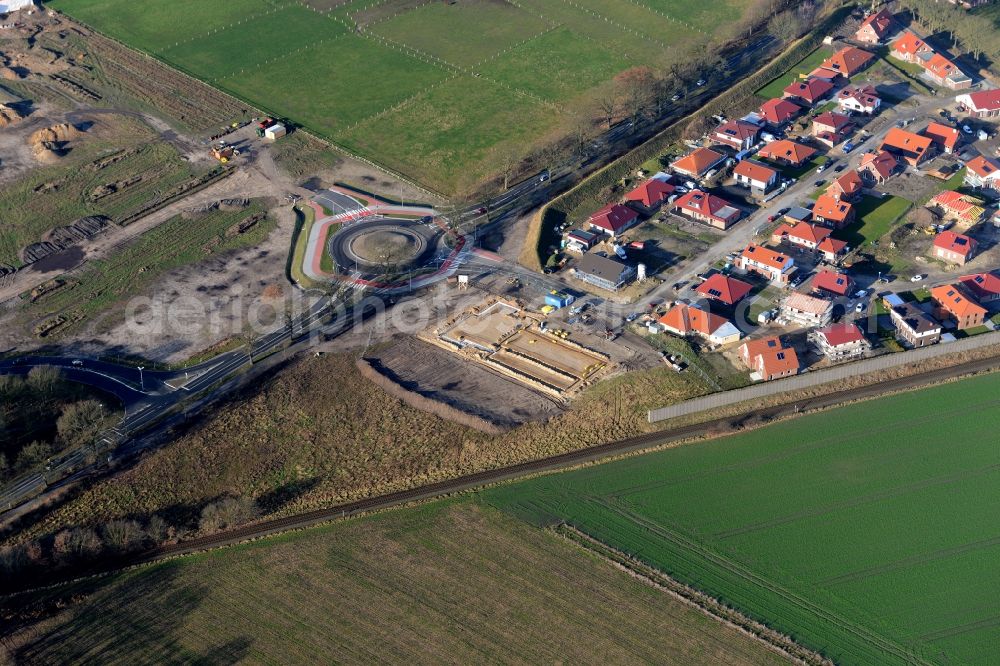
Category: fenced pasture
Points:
column 867, row 532
column 350, row 70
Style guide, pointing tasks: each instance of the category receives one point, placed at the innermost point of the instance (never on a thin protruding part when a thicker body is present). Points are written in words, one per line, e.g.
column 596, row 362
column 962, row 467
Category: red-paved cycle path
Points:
column 325, row 225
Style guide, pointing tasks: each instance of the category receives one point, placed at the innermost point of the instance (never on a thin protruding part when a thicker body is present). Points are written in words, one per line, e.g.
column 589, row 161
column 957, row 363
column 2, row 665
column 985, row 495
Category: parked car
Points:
column 675, row 97
column 782, row 211
column 772, row 218
column 917, row 278
column 839, row 168
column 861, row 293
column 820, row 182
column 860, row 307
column 700, row 82
column 632, row 317
column 848, row 147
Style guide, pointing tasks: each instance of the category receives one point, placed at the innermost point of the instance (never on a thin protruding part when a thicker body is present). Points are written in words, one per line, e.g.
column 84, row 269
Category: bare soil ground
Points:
column 470, row 387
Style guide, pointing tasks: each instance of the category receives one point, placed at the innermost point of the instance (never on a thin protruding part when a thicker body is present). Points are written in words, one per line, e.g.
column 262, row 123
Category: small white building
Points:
column 275, row 131
column 840, row 342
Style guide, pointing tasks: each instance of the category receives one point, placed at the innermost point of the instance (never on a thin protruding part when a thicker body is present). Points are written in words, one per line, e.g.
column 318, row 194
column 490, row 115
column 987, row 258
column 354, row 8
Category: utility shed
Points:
column 275, row 131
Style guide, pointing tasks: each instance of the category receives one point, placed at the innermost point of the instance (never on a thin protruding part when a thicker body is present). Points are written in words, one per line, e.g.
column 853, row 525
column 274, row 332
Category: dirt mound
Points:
column 46, row 153
column 61, row 133
column 9, row 74
column 9, row 115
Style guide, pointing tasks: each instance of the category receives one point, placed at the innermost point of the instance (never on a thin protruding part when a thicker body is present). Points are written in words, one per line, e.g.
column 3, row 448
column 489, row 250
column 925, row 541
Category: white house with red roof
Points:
column 736, row 134
column 802, row 234
column 614, row 219
column 650, row 194
column 771, row 264
column 910, row 48
column 944, row 137
column 714, row 211
column 859, row 99
column 779, row 111
column 981, row 104
column 954, row 248
column 876, row 27
column 847, row 187
column 841, row 341
column 685, row 320
column 833, row 249
column 983, row 172
column 758, row 177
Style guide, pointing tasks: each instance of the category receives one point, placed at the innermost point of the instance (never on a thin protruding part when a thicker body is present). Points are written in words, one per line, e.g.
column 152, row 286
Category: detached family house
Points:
column 943, row 137
column 650, row 195
column 689, row 320
column 859, row 99
column 954, row 248
column 876, row 27
column 847, row 187
column 787, row 152
column 831, row 128
column 755, row 176
column 698, row 162
column 848, row 61
column 807, row 310
column 833, row 211
column 736, row 134
column 952, row 303
column 939, row 69
column 614, row 219
column 811, row 237
column 808, row 92
column 774, row 266
column 767, row 359
column 914, row 328
column 981, row 104
column 603, row 272
column 907, row 146
column 878, row 167
column 779, row 111
column 984, row 286
column 708, row 208
column 839, row 342
column 830, row 282
column 724, row 289
column 984, row 173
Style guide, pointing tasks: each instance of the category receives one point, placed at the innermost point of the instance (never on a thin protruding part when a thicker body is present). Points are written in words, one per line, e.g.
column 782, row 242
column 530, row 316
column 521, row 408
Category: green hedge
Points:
column 558, row 210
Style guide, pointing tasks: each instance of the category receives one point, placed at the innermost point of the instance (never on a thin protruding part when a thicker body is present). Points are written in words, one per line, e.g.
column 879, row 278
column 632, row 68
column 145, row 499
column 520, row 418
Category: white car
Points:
column 917, row 278
column 700, row 82
column 861, row 294
column 860, row 307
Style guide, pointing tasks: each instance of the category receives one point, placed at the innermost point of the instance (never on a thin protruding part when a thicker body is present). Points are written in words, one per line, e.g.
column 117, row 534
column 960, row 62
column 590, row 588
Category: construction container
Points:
column 558, row 299
column 275, row 131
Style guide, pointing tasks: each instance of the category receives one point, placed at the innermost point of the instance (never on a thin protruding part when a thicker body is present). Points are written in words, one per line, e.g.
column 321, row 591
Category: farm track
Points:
column 551, row 464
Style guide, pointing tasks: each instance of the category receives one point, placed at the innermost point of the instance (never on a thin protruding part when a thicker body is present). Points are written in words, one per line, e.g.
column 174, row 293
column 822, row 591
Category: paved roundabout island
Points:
column 370, row 243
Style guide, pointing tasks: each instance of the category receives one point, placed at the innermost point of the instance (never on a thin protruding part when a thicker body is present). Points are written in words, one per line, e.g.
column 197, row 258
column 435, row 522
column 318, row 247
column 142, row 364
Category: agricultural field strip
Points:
column 669, row 17
column 235, row 24
column 734, row 568
column 618, row 25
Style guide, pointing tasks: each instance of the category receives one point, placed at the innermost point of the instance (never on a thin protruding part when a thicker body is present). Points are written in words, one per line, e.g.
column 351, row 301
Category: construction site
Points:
column 516, row 343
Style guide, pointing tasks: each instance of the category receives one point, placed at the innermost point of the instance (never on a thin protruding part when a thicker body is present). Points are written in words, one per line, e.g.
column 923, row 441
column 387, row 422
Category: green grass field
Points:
column 867, row 532
column 350, row 72
column 447, row 583
column 804, row 66
column 874, row 218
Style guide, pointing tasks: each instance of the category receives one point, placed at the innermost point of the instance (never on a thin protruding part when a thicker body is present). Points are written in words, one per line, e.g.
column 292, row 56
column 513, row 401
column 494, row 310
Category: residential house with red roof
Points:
column 649, row 195
column 755, row 176
column 848, row 61
column 876, row 27
column 736, row 134
column 808, row 92
column 779, row 111
column 966, row 211
column 698, row 162
column 842, row 341
column 859, row 99
column 984, row 173
column 686, row 320
column 807, row 310
column 724, row 289
column 985, row 287
column 953, row 303
column 704, row 207
column 954, row 248
column 772, row 265
column 768, row 358
column 907, row 146
column 831, row 128
column 878, row 167
column 787, row 152
column 847, row 187
column 802, row 234
column 614, row 219
column 943, row 137
column 982, row 103
column 832, row 282
column 910, row 48
column 833, row 211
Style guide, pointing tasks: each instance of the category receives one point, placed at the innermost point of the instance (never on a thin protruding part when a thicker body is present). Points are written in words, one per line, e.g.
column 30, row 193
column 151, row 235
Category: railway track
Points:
column 551, row 464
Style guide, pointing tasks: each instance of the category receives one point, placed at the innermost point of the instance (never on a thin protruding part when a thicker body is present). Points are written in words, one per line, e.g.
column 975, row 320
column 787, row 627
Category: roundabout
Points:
column 368, row 242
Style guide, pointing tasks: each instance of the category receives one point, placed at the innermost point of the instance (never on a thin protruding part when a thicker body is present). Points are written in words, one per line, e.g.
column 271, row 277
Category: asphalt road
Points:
column 545, row 465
